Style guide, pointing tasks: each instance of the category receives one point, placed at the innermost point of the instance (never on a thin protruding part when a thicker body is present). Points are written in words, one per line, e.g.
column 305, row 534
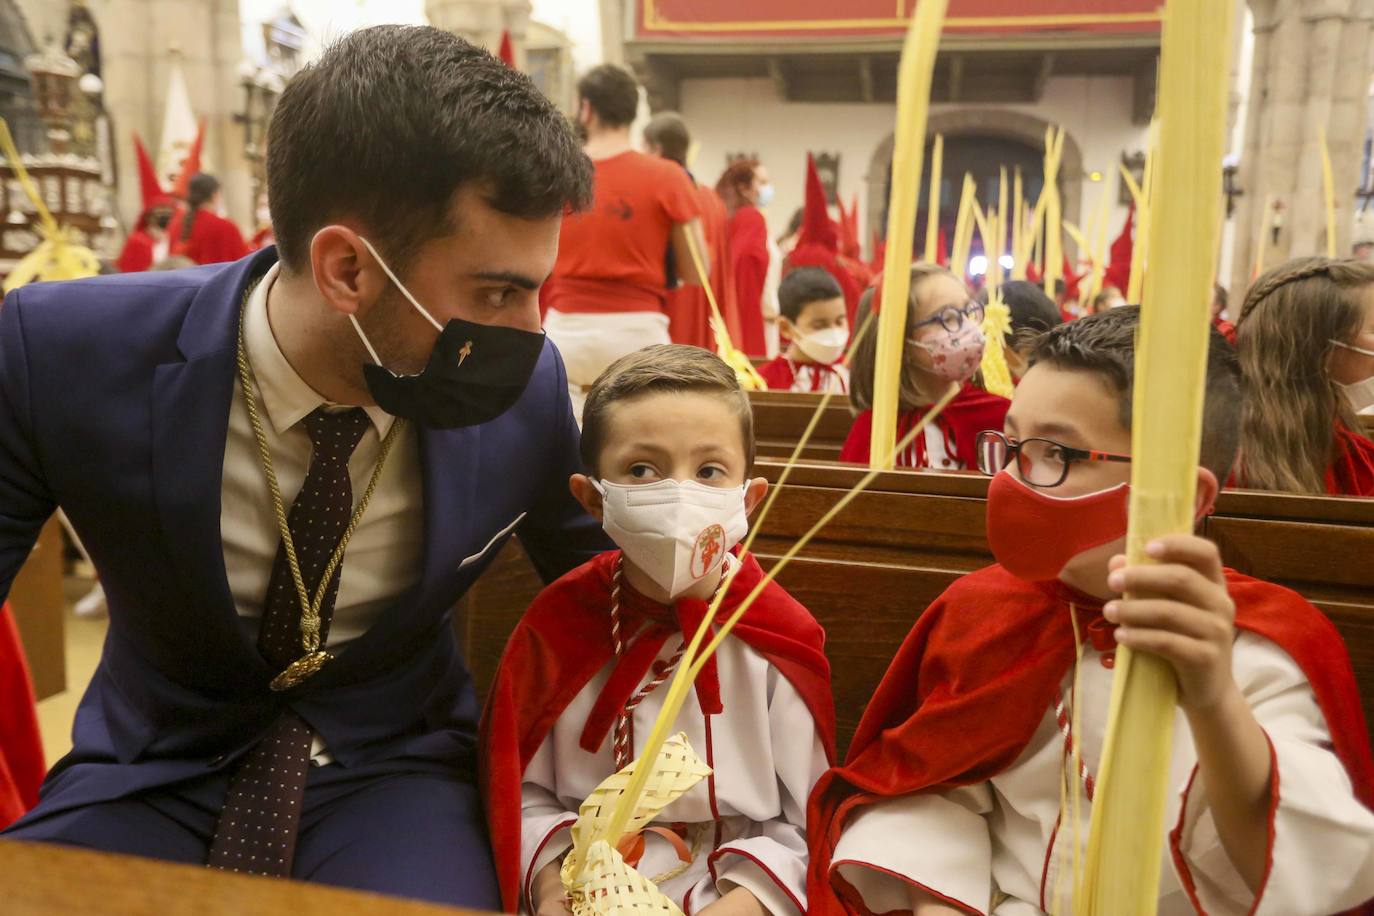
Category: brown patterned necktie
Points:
column 256, row 832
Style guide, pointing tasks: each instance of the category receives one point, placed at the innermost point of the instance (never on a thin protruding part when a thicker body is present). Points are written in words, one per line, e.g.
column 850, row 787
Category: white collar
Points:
column 286, row 396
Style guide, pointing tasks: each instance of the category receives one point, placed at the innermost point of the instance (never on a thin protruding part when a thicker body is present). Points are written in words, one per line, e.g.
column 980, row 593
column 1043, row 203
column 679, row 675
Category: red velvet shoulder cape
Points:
column 564, row 639
column 972, row 411
column 972, row 681
column 1352, row 473
column 747, row 235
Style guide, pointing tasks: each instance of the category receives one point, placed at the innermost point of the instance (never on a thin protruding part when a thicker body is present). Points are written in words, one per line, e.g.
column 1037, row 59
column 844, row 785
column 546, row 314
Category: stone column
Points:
column 1311, row 71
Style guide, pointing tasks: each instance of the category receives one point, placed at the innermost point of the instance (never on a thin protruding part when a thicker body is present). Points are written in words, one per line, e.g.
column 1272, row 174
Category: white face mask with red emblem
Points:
column 677, row 532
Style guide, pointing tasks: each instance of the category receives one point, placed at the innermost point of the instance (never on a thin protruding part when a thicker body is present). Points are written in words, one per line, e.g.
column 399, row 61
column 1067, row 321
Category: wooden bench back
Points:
column 780, row 418
column 887, row 556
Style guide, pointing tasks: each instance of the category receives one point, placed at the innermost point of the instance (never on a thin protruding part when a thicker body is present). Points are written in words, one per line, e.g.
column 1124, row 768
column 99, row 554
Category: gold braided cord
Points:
column 310, row 609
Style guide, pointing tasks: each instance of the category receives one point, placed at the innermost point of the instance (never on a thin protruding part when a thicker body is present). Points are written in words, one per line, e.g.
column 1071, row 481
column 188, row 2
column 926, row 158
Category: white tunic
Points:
column 975, row 844
column 746, row 823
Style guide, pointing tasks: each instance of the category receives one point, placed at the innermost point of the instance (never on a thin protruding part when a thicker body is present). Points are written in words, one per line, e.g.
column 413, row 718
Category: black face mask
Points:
column 475, row 373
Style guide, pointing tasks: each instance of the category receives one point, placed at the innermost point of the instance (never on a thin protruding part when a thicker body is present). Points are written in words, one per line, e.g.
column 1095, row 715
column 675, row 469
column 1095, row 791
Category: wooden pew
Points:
column 780, row 418
column 38, row 605
column 40, row 879
column 870, row 573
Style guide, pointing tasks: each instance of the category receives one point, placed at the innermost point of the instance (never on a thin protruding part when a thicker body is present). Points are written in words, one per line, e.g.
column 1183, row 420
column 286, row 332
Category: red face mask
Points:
column 1034, row 535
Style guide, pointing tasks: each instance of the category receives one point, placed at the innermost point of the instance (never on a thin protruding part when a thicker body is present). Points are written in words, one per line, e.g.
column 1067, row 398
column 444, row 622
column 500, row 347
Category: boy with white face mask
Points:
column 814, row 322
column 668, row 445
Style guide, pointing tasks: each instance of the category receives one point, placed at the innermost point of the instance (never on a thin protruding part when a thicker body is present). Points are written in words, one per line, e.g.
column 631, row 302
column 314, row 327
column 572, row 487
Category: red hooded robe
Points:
column 818, row 244
column 21, row 747
column 1352, row 473
column 689, row 314
column 972, row 682
column 564, row 639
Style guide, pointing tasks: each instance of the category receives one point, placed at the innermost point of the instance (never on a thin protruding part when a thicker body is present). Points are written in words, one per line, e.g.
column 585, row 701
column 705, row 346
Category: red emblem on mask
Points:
column 709, row 546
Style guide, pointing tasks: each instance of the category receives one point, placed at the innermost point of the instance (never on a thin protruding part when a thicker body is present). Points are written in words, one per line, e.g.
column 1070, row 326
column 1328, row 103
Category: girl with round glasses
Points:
column 943, row 347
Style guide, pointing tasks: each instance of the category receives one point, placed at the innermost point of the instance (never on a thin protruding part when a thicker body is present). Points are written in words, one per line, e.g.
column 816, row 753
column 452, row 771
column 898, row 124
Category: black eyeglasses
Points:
column 1043, row 463
column 952, row 318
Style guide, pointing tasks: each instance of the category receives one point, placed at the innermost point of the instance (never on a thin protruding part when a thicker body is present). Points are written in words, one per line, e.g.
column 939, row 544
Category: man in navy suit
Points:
column 289, row 468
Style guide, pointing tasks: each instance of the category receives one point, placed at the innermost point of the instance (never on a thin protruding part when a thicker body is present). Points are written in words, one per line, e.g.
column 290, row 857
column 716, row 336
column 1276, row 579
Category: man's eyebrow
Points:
column 508, row 276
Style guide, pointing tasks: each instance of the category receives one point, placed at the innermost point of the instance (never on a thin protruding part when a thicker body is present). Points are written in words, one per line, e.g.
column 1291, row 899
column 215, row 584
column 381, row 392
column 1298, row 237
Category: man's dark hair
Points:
column 392, row 120
column 669, row 133
column 612, row 92
column 1032, row 312
column 803, row 286
column 1105, row 344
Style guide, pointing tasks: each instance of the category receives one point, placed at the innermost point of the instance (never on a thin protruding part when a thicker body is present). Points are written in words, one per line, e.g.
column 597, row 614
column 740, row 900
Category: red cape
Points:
column 21, row 747
column 748, row 258
column 972, row 411
column 689, row 314
column 778, row 374
column 137, row 253
column 972, row 681
column 562, row 642
column 1352, row 473
column 213, row 240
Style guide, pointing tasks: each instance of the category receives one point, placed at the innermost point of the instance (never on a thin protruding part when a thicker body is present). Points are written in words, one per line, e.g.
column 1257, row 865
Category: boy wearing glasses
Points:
column 983, row 741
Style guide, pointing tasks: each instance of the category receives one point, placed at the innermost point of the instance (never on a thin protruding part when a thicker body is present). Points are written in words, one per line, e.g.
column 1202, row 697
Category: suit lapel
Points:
column 449, row 474
column 190, row 423
column 190, row 426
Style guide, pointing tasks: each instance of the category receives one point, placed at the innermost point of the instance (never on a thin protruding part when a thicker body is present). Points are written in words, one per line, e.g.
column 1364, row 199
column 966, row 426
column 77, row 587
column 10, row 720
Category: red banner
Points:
column 727, row 19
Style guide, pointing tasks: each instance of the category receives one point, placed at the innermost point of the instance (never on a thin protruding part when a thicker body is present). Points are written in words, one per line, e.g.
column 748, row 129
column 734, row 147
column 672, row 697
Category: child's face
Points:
column 821, row 315
column 1078, row 410
column 685, row 435
column 1347, row 366
column 934, row 294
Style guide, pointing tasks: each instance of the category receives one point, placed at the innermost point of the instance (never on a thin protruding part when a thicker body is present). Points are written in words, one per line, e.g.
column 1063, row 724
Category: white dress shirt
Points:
column 385, row 553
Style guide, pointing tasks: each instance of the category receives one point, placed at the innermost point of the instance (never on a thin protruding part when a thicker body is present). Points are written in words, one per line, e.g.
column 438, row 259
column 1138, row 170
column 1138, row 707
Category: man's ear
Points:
column 586, row 493
column 1207, row 490
column 786, row 328
column 754, row 492
column 345, row 272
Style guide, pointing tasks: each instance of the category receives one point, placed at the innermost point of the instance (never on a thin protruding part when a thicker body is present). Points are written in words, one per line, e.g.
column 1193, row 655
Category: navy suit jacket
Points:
column 114, row 405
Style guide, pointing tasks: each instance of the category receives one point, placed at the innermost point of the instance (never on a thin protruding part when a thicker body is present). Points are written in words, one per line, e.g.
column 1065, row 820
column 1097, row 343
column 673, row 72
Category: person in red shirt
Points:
column 689, row 314
column 818, row 245
column 1305, row 337
column 815, row 325
column 609, row 288
column 199, row 232
column 745, row 188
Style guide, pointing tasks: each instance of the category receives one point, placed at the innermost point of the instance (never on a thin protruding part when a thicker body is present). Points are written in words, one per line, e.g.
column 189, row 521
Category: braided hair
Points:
column 1285, row 331
column 199, row 191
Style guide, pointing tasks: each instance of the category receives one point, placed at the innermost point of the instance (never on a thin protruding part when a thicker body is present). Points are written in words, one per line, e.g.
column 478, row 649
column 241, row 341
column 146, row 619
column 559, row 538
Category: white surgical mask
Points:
column 677, row 532
column 1359, row 394
column 825, row 347
column 765, row 195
